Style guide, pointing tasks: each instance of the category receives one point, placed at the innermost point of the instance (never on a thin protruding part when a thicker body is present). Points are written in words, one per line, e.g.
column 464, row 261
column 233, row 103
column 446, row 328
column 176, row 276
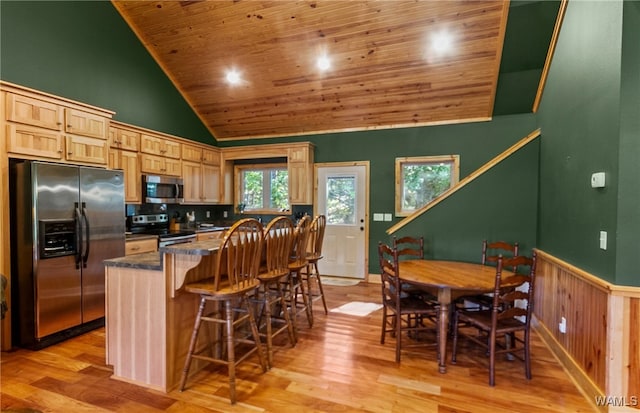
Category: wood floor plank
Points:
column 338, row 365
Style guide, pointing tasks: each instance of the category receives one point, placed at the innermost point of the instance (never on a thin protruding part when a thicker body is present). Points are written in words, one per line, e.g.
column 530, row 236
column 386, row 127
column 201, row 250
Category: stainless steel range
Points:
column 158, row 224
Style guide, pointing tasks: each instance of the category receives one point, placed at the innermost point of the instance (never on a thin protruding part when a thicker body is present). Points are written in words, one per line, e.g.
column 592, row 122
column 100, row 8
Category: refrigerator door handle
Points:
column 85, row 257
column 78, row 236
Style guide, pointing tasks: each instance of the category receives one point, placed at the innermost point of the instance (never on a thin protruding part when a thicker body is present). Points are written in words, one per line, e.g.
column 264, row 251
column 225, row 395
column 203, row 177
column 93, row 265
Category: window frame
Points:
column 239, row 185
column 437, row 159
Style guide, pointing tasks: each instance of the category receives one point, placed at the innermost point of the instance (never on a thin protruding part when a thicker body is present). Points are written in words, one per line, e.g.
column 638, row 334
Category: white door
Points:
column 342, row 198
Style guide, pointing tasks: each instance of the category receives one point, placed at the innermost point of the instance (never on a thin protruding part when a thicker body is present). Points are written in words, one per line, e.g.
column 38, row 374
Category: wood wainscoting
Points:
column 601, row 346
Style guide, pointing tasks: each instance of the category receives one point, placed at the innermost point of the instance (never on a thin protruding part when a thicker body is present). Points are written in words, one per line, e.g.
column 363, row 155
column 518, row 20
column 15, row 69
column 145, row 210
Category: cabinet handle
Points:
column 69, row 126
column 69, row 153
column 135, row 248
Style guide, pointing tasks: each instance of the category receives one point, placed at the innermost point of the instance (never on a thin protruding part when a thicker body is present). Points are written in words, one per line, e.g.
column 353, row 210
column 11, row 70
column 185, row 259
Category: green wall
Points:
column 502, row 204
column 84, row 50
column 589, row 121
column 628, row 242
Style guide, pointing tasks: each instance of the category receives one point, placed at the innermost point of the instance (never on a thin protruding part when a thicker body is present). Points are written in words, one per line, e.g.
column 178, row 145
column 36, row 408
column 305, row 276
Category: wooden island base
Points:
column 149, row 318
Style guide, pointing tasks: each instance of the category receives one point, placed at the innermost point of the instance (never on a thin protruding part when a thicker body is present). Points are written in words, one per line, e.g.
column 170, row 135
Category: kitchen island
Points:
column 149, row 317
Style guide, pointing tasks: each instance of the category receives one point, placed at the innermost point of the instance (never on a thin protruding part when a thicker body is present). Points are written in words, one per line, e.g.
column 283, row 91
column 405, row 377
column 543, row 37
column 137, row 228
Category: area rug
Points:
column 342, row 282
column 357, row 308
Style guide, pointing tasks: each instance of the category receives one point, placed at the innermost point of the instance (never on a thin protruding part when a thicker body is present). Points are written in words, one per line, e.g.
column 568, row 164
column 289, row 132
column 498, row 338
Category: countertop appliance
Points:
column 158, row 224
column 66, row 220
column 162, row 189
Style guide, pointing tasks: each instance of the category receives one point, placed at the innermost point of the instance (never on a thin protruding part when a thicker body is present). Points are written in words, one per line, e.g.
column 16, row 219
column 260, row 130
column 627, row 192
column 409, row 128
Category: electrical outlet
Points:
column 562, row 326
column 208, row 214
column 225, row 214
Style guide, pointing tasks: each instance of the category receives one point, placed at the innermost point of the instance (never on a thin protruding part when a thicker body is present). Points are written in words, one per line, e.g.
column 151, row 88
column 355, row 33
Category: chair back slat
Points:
column 492, row 250
column 505, row 300
column 388, row 258
column 316, row 235
column 239, row 256
column 301, row 239
column 409, row 247
column 279, row 236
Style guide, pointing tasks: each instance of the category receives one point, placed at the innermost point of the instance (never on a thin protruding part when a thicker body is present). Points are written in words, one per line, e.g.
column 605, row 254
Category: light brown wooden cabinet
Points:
column 125, row 139
column 206, row 236
column 41, row 127
column 201, row 174
column 300, row 166
column 159, row 146
column 139, row 246
column 159, row 165
column 129, row 163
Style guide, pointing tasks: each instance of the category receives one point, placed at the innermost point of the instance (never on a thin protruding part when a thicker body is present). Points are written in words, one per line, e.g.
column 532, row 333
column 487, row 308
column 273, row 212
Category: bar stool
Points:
column 279, row 235
column 297, row 262
column 314, row 254
column 235, row 278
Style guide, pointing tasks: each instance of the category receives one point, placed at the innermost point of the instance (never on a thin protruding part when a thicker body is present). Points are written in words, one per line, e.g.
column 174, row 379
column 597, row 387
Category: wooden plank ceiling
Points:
column 386, row 71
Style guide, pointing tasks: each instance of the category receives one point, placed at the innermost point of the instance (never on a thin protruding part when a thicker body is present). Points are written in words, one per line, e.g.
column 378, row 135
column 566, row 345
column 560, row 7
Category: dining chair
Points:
column 410, row 247
column 234, row 279
column 508, row 321
column 314, row 254
column 297, row 262
column 402, row 313
column 490, row 253
column 278, row 234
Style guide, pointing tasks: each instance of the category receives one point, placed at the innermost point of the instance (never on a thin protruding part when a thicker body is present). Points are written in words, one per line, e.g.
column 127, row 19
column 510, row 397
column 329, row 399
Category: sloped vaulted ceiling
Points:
column 389, row 64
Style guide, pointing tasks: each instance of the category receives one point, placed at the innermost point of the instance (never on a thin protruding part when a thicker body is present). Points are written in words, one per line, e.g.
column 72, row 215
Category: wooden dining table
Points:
column 448, row 280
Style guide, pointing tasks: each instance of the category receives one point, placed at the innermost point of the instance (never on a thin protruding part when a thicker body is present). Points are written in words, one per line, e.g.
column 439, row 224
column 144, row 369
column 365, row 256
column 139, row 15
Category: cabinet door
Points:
column 124, row 139
column 150, row 144
column 85, row 124
column 27, row 140
column 171, row 149
column 191, row 153
column 172, row 167
column 85, row 149
column 299, row 183
column 192, row 177
column 35, row 112
column 152, row 164
column 132, row 181
column 210, row 156
column 210, row 183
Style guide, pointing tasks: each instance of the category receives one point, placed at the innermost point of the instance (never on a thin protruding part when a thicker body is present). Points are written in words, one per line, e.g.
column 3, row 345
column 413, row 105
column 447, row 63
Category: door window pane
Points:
column 341, row 200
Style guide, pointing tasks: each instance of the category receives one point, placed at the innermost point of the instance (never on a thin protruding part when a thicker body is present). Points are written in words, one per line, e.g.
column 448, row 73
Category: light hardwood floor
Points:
column 337, row 366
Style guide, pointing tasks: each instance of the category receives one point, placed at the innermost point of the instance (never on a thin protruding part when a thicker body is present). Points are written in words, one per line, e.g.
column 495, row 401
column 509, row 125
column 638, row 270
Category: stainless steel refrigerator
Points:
column 66, row 220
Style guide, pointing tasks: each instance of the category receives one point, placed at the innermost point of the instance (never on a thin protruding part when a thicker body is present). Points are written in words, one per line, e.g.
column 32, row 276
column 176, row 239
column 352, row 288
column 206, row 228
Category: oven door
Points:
column 162, row 189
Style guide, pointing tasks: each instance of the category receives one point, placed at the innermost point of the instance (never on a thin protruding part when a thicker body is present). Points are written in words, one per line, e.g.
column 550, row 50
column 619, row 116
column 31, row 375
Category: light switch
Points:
column 378, row 217
column 603, row 240
column 387, row 217
column 597, row 180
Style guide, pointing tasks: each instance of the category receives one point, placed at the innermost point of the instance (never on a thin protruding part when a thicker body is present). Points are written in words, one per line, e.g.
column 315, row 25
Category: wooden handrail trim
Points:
column 550, row 52
column 613, row 289
column 473, row 175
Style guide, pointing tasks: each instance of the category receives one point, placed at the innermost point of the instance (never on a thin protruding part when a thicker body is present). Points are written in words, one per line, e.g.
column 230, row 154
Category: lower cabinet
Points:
column 139, row 246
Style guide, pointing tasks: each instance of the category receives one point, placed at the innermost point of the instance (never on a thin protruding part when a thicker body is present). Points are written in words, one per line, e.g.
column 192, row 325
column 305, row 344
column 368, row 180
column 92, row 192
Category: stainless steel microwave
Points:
column 158, row 189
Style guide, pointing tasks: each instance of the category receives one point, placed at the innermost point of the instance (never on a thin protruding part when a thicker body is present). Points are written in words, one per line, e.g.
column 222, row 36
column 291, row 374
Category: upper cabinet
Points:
column 160, row 146
column 42, row 126
column 201, row 174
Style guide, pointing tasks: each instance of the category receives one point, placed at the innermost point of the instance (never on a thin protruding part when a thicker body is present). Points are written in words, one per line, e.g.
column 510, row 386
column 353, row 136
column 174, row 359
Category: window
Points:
column 262, row 188
column 419, row 180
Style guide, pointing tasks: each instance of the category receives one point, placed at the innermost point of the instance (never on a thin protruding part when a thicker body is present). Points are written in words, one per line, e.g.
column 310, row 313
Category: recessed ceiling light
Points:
column 324, row 63
column 441, row 42
column 233, row 77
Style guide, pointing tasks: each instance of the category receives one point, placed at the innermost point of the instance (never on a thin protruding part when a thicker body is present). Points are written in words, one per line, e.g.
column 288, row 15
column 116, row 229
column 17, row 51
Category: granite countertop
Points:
column 144, row 261
column 206, row 247
column 210, row 229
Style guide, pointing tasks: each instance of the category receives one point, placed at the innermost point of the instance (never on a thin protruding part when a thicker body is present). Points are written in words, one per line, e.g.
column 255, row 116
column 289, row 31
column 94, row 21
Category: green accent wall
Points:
column 84, row 50
column 502, row 204
column 589, row 122
column 628, row 240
